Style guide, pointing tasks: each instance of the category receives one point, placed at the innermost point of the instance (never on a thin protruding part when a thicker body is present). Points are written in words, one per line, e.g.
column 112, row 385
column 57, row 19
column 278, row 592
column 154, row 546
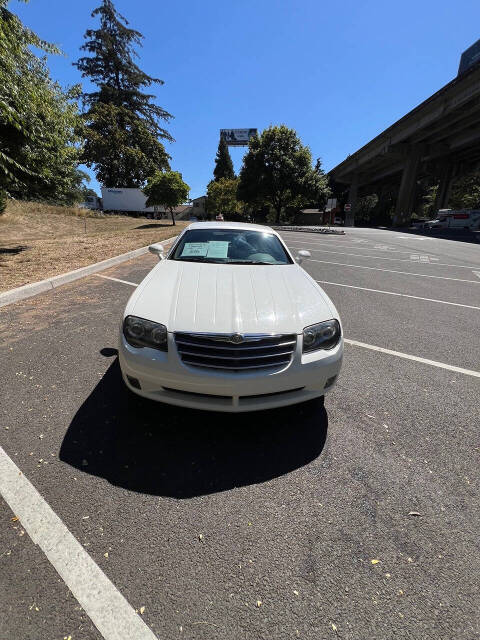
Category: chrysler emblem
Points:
column 233, row 338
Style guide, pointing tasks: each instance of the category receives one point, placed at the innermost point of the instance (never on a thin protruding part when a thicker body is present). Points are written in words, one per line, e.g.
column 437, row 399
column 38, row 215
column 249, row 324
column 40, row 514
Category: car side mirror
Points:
column 302, row 255
column 157, row 249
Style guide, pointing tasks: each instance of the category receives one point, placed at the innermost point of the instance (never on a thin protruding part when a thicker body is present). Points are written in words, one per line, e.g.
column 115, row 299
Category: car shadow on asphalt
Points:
column 159, row 449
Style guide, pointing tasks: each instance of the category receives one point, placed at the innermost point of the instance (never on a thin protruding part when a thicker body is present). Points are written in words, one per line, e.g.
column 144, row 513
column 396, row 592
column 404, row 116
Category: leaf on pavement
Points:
column 375, row 561
column 414, row 513
column 14, row 519
column 142, row 610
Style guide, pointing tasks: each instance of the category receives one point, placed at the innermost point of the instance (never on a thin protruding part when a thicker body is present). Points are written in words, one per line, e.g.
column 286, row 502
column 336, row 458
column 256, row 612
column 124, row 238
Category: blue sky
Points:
column 337, row 72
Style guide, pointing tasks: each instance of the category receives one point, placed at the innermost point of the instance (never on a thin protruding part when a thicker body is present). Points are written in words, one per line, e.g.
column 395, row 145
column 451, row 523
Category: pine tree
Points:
column 223, row 162
column 123, row 130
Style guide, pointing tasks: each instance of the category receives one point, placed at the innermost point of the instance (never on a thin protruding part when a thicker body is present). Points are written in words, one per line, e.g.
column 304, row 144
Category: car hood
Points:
column 220, row 298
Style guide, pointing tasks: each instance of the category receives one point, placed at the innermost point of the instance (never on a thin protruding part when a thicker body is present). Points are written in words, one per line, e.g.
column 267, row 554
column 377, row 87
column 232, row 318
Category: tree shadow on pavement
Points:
column 154, row 225
column 163, row 450
column 459, row 235
column 13, row 250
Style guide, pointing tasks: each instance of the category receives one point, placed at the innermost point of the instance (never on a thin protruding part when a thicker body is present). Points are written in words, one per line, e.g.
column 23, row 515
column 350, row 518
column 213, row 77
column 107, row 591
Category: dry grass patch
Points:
column 38, row 241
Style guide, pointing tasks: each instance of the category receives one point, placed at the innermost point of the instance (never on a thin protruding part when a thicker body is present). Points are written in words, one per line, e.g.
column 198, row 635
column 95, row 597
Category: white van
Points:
column 456, row 219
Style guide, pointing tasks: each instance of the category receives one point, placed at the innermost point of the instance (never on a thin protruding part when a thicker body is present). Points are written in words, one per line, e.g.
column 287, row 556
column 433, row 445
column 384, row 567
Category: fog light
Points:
column 329, row 382
column 134, row 382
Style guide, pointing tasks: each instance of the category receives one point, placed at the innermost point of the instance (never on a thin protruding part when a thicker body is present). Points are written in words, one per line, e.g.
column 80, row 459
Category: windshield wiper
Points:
column 220, row 260
column 249, row 262
column 195, row 259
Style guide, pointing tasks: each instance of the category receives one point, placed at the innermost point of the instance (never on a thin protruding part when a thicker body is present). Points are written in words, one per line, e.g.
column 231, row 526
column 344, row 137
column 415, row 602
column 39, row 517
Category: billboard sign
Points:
column 469, row 57
column 237, row 137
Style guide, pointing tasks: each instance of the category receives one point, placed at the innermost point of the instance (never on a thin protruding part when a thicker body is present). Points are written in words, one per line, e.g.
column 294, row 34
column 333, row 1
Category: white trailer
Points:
column 456, row 219
column 125, row 199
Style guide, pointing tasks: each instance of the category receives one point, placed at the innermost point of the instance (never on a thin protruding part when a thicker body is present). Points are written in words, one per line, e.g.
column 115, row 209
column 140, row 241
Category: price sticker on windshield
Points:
column 195, row 249
column 217, row 249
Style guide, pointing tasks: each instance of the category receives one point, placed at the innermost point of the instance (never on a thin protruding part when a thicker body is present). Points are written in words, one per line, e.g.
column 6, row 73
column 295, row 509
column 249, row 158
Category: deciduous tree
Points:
column 38, row 120
column 277, row 170
column 166, row 188
column 222, row 196
column 465, row 192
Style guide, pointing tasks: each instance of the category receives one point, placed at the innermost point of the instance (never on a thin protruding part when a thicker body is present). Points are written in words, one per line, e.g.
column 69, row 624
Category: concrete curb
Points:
column 325, row 230
column 33, row 289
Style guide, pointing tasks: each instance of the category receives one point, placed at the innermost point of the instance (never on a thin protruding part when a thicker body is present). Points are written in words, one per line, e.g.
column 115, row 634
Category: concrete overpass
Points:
column 440, row 137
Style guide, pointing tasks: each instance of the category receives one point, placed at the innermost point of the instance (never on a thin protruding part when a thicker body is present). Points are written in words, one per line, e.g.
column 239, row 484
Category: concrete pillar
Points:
column 408, row 184
column 352, row 199
column 445, row 186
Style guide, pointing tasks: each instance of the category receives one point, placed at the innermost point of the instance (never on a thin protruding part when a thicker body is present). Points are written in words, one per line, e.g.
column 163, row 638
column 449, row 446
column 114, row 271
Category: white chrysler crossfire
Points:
column 228, row 321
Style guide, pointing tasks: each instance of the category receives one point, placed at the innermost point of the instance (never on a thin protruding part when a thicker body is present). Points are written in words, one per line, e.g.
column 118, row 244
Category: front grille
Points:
column 196, row 394
column 216, row 351
column 269, row 395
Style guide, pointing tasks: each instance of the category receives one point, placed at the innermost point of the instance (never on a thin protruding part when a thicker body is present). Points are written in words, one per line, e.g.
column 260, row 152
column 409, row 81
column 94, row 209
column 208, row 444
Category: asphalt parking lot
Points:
column 358, row 520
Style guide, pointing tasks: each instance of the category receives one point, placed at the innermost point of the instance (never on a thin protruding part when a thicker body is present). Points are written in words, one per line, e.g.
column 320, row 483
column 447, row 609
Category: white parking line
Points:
column 109, row 611
column 422, row 258
column 133, row 284
column 403, row 273
column 358, row 255
column 343, row 246
column 384, row 247
column 407, row 356
column 402, row 295
column 413, row 237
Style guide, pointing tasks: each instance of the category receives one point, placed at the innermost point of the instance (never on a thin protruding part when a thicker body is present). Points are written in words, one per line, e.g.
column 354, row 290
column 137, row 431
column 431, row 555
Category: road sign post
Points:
column 348, row 214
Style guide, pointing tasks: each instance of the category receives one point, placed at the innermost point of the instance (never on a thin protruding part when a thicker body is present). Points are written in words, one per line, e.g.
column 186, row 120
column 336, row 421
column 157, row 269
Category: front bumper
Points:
column 164, row 377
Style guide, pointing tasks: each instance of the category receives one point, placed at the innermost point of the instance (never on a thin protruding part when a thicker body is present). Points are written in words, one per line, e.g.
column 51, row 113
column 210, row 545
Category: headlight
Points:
column 144, row 333
column 324, row 335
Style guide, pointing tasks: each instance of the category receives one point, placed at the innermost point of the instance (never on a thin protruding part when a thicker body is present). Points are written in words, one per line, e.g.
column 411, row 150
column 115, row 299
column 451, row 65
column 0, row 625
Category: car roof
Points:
column 244, row 226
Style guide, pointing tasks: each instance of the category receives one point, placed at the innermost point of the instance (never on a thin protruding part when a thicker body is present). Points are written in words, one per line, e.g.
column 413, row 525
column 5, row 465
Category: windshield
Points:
column 230, row 246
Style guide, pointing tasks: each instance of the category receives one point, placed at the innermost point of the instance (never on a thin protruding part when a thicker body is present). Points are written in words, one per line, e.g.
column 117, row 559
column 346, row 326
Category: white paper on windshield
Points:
column 217, row 249
column 195, row 249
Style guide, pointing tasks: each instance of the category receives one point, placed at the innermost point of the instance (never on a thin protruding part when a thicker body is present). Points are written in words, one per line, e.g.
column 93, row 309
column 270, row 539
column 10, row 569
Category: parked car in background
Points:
column 219, row 218
column 420, row 223
column 229, row 321
column 338, row 220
